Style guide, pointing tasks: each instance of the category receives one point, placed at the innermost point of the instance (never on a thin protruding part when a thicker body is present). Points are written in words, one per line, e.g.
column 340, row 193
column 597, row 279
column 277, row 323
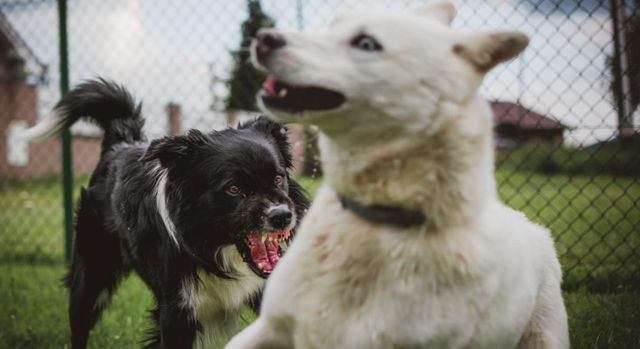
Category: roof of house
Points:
column 508, row 113
column 16, row 49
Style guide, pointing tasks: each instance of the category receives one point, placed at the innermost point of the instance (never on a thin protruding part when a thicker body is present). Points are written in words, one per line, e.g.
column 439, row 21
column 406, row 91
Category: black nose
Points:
column 268, row 41
column 279, row 217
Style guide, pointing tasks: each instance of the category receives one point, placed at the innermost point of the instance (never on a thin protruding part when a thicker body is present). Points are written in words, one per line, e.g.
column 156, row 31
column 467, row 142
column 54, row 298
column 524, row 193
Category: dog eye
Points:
column 233, row 190
column 366, row 43
column 278, row 180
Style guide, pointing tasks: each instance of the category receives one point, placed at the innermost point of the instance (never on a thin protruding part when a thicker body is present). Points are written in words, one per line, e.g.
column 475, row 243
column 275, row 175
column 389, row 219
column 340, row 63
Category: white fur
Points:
column 161, row 202
column 51, row 125
column 412, row 133
column 275, row 207
column 217, row 303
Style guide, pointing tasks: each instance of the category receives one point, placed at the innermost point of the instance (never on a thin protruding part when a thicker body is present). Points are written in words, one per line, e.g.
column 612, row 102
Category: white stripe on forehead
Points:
column 161, row 203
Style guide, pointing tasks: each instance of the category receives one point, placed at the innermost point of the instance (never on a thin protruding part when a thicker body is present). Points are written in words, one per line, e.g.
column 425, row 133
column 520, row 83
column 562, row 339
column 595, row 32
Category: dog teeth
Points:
column 264, row 238
column 260, row 266
column 283, row 92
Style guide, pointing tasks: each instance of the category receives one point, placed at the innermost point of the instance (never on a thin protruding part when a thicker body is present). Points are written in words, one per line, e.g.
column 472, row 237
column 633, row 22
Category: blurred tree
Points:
column 245, row 80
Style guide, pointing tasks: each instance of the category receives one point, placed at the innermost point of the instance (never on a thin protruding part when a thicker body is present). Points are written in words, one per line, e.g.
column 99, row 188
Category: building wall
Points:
column 4, row 69
column 542, row 136
column 20, row 102
column 516, row 134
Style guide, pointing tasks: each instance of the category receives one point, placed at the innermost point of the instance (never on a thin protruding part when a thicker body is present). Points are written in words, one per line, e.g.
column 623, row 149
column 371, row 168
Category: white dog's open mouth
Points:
column 287, row 98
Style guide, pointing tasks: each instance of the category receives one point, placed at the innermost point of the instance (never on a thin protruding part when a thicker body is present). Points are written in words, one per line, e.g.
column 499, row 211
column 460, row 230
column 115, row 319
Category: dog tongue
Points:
column 264, row 253
column 270, row 85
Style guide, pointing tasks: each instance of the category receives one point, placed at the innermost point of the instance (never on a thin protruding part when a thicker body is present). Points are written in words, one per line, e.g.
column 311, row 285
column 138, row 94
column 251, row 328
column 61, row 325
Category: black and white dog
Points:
column 200, row 217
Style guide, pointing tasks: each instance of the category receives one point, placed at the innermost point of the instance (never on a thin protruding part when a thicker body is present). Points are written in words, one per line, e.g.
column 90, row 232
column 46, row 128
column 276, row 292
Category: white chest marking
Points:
column 217, row 303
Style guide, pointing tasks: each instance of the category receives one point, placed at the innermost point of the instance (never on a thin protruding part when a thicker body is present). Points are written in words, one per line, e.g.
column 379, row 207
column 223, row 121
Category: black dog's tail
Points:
column 103, row 102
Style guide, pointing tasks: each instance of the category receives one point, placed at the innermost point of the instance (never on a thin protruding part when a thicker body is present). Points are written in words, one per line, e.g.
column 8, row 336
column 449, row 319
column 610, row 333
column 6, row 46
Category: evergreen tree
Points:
column 245, row 80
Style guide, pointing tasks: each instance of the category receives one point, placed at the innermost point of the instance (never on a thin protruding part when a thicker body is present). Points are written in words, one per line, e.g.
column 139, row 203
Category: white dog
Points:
column 406, row 245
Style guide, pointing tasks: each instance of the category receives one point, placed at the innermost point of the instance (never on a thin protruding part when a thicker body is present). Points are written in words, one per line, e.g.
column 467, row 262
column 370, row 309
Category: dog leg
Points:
column 177, row 327
column 261, row 335
column 94, row 273
column 91, row 292
column 548, row 328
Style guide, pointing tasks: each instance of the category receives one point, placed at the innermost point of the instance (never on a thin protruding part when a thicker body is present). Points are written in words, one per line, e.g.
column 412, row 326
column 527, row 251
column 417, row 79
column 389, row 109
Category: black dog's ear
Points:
column 277, row 131
column 170, row 150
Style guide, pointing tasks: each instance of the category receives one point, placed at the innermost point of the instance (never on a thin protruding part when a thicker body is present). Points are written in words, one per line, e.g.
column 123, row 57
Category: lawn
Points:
column 33, row 314
column 595, row 221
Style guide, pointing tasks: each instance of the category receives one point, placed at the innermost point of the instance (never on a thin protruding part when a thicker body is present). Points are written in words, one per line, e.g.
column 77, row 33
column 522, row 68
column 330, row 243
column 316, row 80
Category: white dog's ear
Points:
column 440, row 10
column 487, row 50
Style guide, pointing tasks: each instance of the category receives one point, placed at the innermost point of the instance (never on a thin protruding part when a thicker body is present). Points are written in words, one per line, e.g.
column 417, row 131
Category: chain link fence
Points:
column 560, row 108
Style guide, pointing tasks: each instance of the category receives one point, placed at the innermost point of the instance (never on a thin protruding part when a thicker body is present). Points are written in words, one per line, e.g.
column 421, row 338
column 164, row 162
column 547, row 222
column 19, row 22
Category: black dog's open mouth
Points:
column 262, row 251
column 281, row 96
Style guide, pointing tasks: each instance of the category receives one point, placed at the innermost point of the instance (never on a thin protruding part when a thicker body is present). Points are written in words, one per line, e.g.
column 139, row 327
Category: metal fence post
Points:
column 67, row 160
column 621, row 69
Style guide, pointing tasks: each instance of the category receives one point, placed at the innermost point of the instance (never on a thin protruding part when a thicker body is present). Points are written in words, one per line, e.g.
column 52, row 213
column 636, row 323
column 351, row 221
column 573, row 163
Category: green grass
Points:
column 603, row 320
column 33, row 311
column 31, row 220
column 595, row 220
column 33, row 314
column 553, row 159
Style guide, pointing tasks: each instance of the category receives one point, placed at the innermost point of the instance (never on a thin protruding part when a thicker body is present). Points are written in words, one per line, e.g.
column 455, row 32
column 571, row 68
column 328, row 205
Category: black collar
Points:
column 384, row 214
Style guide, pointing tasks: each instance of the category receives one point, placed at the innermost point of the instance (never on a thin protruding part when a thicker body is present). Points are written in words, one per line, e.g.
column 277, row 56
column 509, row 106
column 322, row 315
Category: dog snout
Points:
column 279, row 217
column 268, row 41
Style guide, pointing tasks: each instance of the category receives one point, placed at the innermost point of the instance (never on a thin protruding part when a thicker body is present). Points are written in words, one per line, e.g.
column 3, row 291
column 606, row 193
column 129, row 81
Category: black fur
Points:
column 119, row 228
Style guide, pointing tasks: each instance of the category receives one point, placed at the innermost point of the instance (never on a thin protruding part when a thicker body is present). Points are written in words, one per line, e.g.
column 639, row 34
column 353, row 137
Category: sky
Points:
column 177, row 51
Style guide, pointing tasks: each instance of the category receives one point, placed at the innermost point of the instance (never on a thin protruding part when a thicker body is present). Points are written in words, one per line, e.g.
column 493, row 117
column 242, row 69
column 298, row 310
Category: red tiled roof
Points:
column 507, row 113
